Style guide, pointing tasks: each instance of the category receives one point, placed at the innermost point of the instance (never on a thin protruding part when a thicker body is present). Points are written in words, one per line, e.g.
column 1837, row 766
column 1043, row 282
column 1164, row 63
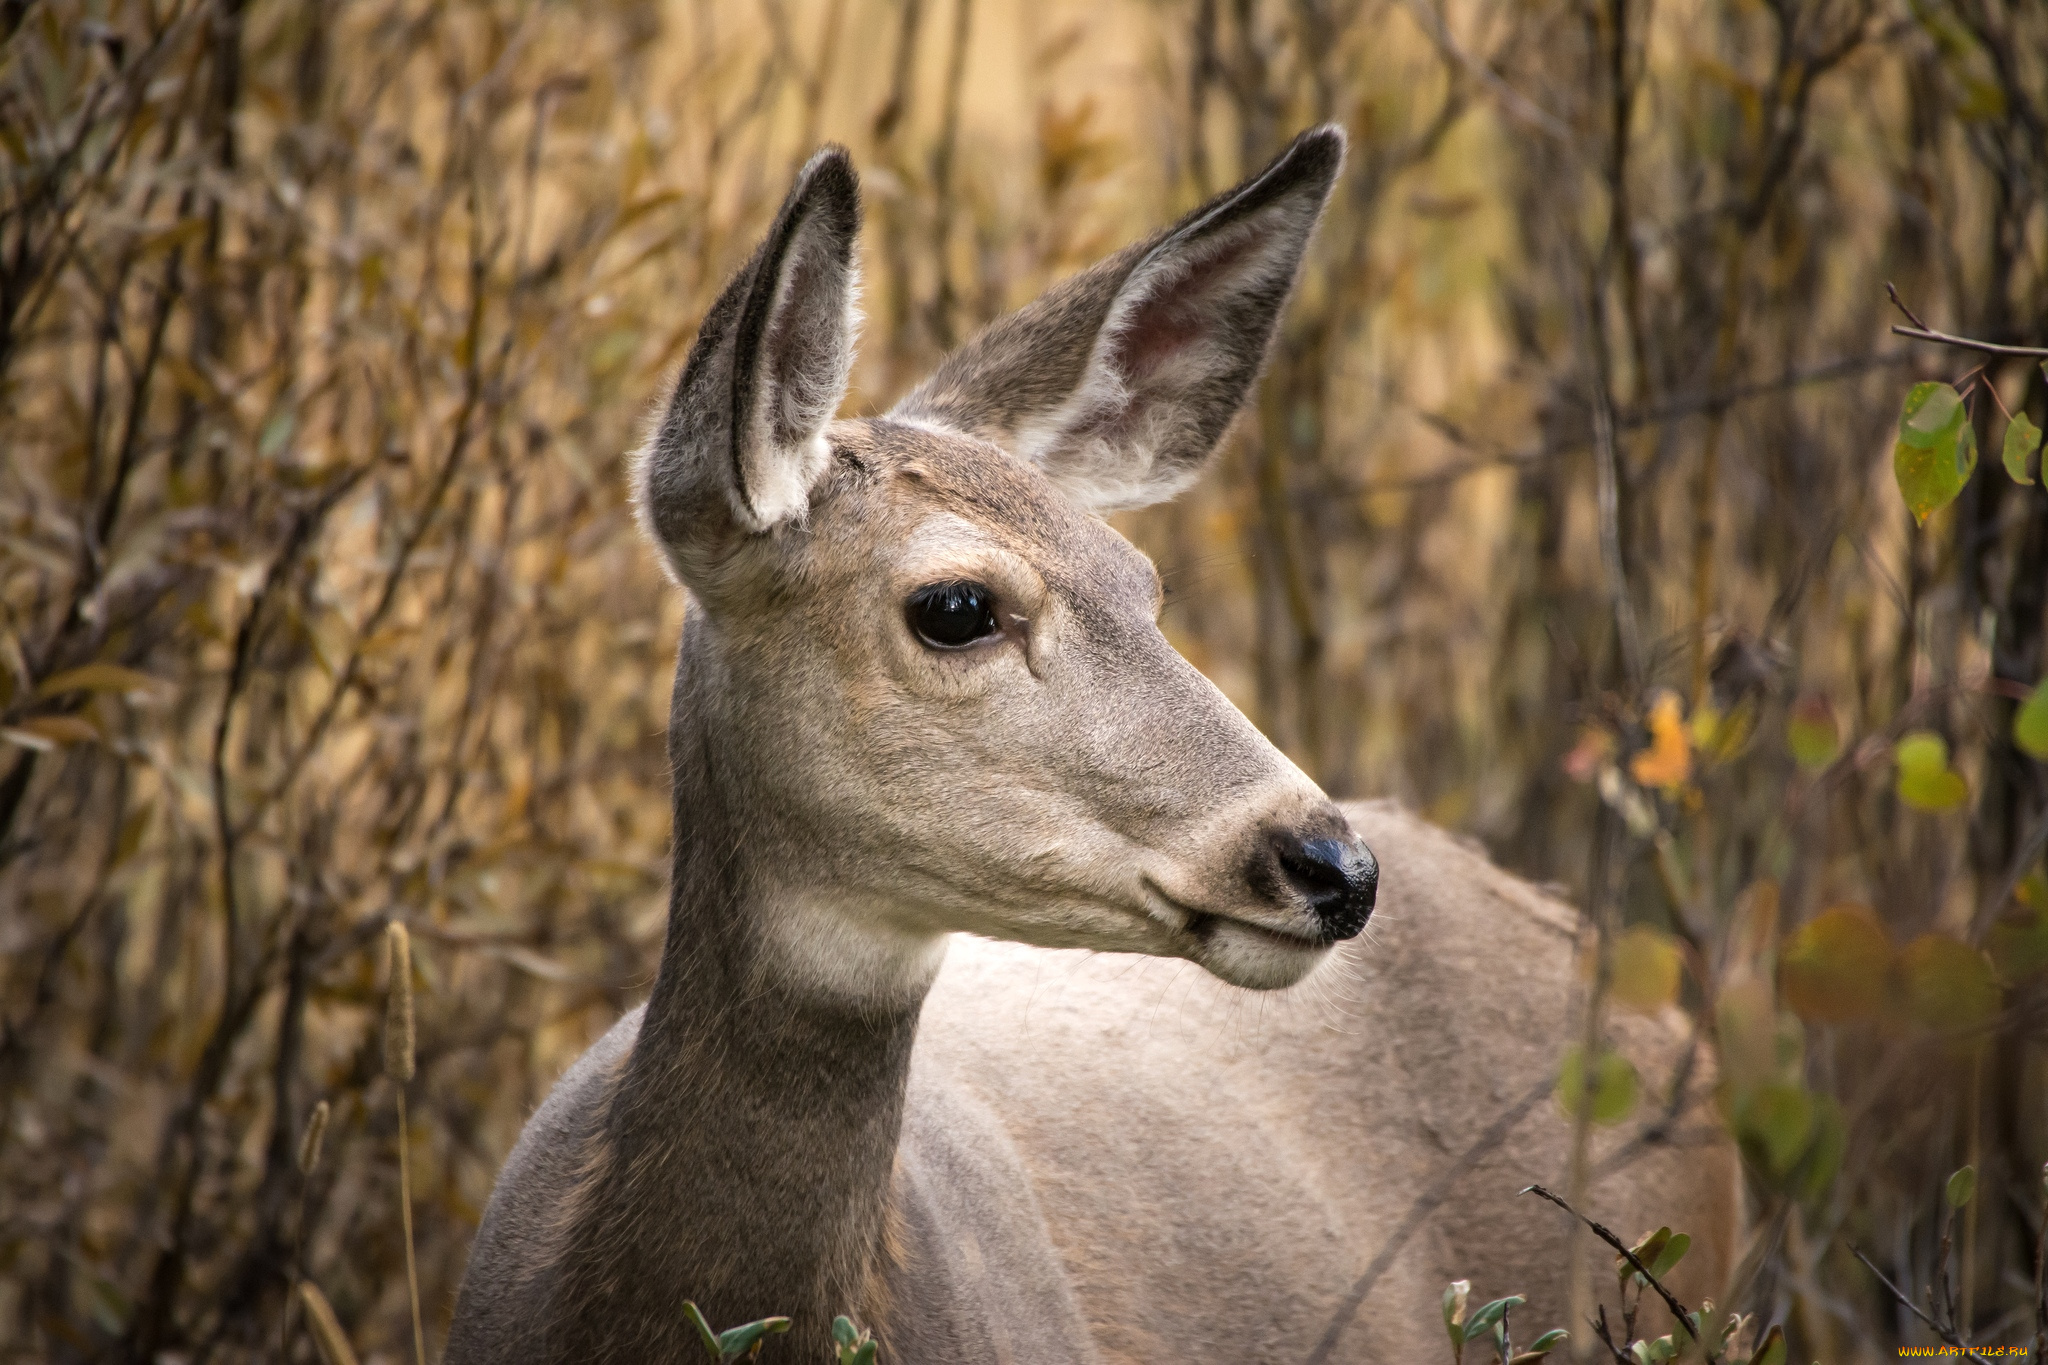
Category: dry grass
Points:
column 324, row 328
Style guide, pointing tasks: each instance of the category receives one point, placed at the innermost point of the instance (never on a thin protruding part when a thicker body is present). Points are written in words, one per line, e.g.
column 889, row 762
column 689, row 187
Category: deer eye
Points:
column 950, row 615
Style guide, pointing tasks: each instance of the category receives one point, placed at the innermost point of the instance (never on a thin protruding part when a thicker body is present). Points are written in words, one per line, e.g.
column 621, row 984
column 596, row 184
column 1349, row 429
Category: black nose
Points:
column 1338, row 878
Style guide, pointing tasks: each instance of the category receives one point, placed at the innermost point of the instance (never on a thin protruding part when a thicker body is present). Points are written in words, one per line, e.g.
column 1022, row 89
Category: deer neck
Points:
column 746, row 1157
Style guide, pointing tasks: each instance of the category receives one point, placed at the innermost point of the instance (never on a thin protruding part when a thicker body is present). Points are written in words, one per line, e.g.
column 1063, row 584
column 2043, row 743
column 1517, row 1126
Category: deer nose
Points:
column 1339, row 879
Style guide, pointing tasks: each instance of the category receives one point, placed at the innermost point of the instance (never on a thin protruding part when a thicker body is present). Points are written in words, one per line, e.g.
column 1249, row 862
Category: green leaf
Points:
column 696, row 1317
column 2018, row 940
column 1484, row 1320
column 2030, row 723
column 1647, row 1251
column 1778, row 1120
column 1454, row 1312
column 855, row 1347
column 1962, row 1187
column 1673, row 1252
column 1932, row 414
column 1921, row 751
column 1545, row 1344
column 1933, row 791
column 734, row 1343
column 1655, row 1352
column 1949, row 984
column 1932, row 467
column 1823, row 1160
column 1812, row 733
column 2022, row 439
column 1925, row 780
column 1613, row 1088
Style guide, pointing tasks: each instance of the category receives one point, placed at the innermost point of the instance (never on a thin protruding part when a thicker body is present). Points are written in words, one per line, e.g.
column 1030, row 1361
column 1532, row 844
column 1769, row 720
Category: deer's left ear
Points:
column 1120, row 381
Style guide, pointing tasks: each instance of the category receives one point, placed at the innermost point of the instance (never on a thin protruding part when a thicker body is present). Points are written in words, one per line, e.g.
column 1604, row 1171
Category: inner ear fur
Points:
column 1120, row 381
column 741, row 445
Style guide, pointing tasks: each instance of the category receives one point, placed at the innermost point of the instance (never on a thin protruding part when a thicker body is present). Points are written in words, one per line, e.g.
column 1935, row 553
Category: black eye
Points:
column 949, row 615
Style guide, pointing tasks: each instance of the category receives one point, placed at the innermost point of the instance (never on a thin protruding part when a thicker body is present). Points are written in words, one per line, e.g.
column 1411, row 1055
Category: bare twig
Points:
column 1920, row 331
column 1944, row 1333
column 1899, row 303
column 1600, row 1329
column 1519, row 106
column 1968, row 343
column 2031, row 848
column 1678, row 1310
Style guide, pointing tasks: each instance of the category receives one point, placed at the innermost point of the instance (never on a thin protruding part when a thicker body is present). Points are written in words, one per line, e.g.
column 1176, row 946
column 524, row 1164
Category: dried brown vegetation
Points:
column 324, row 329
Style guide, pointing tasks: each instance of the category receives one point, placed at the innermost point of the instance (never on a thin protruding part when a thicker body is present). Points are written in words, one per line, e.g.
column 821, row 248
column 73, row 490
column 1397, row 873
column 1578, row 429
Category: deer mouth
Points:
column 1203, row 926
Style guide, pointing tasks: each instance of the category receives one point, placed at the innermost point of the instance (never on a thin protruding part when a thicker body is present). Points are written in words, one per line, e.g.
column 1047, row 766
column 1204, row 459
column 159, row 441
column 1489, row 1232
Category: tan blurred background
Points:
column 325, row 328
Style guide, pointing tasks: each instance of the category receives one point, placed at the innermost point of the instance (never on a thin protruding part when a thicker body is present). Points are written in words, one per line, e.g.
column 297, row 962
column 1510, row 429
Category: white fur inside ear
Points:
column 797, row 399
column 1103, row 445
column 779, row 483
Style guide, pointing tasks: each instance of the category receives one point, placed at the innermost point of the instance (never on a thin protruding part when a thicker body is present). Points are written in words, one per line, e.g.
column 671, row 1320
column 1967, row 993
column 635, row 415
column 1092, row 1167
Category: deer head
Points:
column 922, row 681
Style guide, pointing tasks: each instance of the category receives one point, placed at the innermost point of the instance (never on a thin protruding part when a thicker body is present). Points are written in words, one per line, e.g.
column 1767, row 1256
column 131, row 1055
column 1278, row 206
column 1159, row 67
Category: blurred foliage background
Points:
column 1564, row 514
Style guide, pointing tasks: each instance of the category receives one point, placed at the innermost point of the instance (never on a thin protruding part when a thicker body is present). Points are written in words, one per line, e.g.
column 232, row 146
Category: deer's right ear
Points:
column 1119, row 381
column 741, row 445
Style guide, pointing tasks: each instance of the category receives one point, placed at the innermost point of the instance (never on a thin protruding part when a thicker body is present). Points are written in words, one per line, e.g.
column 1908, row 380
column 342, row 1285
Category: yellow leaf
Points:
column 96, row 678
column 1612, row 1088
column 1813, row 733
column 2030, row 723
column 1668, row 760
column 1646, row 966
column 324, row 1327
column 49, row 732
column 1921, row 751
column 1949, row 984
column 1926, row 782
column 1718, row 737
column 1745, row 1025
column 1838, row 966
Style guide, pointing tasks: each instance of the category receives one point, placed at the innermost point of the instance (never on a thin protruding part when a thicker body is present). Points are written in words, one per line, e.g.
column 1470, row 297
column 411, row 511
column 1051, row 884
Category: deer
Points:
column 1016, row 1000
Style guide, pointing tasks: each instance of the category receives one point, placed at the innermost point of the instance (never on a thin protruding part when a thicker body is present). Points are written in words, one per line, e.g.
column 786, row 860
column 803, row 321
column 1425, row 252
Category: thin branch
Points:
column 1920, row 331
column 1678, row 1310
column 1899, row 303
column 1689, row 405
column 1969, row 343
column 1520, row 106
column 1599, row 1326
column 2036, row 841
column 1944, row 1333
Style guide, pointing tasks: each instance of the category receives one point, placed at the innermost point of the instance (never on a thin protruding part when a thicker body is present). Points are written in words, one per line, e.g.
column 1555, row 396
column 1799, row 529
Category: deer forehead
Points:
column 936, row 505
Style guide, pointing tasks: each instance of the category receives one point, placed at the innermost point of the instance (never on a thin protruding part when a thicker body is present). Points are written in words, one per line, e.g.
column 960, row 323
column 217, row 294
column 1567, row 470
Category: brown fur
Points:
column 1083, row 1149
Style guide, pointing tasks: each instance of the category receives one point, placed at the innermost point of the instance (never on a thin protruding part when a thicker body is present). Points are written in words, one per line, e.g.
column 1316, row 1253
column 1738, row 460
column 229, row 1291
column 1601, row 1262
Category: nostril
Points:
column 1315, row 866
column 1339, row 878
